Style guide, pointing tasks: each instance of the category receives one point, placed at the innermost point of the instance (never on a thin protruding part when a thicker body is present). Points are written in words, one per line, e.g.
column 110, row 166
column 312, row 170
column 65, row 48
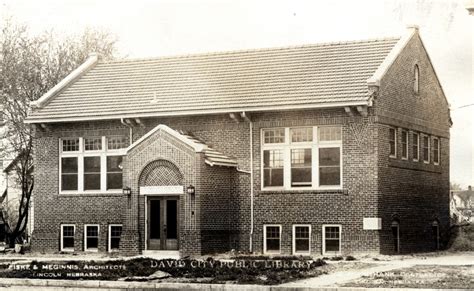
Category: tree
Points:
column 30, row 65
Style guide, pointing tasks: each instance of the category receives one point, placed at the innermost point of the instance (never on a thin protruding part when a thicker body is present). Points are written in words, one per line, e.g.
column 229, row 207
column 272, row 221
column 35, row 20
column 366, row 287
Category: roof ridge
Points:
column 228, row 52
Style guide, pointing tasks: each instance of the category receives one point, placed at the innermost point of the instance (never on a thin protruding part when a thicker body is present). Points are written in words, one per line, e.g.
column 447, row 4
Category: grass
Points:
column 241, row 271
column 421, row 276
column 462, row 238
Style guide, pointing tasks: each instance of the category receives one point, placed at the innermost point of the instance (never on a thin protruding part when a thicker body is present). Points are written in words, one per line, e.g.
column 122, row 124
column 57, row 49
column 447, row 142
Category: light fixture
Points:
column 191, row 190
column 127, row 191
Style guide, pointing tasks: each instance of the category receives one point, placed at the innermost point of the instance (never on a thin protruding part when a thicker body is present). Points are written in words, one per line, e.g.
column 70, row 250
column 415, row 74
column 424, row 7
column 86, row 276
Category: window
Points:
column 331, row 239
column 115, row 233
column 67, row 237
column 392, row 141
column 88, row 166
column 271, row 239
column 302, row 157
column 435, row 228
column 404, row 144
column 436, row 151
column 416, row 147
column 416, row 79
column 300, row 167
column 91, row 237
column 426, row 149
column 301, row 239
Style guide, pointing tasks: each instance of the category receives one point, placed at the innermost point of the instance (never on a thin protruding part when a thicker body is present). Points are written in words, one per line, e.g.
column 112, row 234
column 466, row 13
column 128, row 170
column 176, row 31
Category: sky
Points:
column 148, row 28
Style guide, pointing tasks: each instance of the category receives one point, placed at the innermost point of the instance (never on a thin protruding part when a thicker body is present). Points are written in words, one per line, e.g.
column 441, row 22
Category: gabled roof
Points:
column 212, row 157
column 310, row 76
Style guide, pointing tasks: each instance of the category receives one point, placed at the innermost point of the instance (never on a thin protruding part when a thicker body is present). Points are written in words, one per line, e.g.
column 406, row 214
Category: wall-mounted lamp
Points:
column 191, row 190
column 127, row 191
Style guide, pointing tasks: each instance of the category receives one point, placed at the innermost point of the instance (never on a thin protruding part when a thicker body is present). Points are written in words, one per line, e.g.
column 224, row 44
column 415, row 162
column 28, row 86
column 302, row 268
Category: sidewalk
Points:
column 334, row 279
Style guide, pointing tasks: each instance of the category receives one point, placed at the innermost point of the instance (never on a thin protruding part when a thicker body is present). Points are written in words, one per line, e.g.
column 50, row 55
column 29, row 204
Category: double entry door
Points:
column 163, row 223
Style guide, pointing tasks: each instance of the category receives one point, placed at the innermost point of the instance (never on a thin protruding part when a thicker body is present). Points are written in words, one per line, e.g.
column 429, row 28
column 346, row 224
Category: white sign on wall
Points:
column 372, row 223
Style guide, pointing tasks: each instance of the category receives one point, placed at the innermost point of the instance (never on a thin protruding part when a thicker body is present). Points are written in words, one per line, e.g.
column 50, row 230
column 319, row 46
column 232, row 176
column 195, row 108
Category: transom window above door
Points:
column 91, row 164
column 302, row 158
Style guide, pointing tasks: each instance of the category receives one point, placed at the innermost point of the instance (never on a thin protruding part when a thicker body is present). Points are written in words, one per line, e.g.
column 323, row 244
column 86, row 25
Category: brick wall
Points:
column 346, row 207
column 413, row 192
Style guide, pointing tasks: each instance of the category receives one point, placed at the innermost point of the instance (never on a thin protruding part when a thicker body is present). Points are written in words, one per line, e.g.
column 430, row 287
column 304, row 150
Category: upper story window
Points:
column 392, row 142
column 426, row 149
column 416, row 147
column 91, row 164
column 404, row 144
column 302, row 157
column 436, row 151
column 416, row 79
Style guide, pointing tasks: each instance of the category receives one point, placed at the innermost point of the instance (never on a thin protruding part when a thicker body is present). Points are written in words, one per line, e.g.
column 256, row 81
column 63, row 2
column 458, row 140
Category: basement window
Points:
column 301, row 239
column 115, row 233
column 271, row 239
column 91, row 238
column 67, row 237
column 331, row 239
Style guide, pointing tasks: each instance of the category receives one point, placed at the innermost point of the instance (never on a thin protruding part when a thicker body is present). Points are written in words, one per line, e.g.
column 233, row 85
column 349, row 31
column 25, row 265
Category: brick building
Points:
column 319, row 149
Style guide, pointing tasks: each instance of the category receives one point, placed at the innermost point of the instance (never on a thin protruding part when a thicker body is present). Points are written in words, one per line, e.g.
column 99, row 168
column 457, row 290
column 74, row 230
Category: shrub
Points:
column 462, row 238
column 350, row 258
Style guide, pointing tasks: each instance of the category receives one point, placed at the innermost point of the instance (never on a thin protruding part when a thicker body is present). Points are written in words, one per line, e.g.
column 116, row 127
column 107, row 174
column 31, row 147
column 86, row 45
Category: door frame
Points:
column 146, row 226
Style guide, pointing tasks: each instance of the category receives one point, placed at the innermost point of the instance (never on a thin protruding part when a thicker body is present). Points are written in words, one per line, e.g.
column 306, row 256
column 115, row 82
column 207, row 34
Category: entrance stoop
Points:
column 160, row 255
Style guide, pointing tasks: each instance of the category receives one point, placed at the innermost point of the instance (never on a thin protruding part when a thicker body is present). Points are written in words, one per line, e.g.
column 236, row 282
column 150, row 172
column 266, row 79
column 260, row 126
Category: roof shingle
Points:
column 311, row 75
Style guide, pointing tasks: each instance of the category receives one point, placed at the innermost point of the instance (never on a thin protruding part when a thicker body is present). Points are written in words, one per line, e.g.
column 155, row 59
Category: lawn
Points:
column 258, row 270
column 421, row 276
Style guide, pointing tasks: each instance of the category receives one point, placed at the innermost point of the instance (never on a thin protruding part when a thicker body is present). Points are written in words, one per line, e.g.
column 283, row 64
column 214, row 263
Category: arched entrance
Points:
column 162, row 184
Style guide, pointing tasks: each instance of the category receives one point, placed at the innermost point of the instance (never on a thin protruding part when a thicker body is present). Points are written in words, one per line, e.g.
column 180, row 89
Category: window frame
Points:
column 80, row 155
column 86, row 249
column 395, row 141
column 265, row 239
column 438, row 150
column 417, row 146
column 109, row 237
column 323, row 244
column 62, row 249
column 429, row 148
column 286, row 148
column 293, row 239
column 404, row 146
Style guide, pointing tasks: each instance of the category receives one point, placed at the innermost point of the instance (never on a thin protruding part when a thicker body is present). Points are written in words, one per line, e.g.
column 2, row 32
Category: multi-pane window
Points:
column 404, row 144
column 303, row 134
column 276, row 135
column 273, row 168
column 436, row 151
column 392, row 142
column 115, row 233
column 303, row 157
column 301, row 239
column 70, row 145
column 67, row 237
column 272, row 238
column 416, row 146
column 93, row 144
column 91, row 239
column 331, row 239
column 116, row 142
column 426, row 149
column 87, row 165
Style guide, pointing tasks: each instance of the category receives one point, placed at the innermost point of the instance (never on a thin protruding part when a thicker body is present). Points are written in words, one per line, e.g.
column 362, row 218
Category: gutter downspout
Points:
column 130, row 127
column 244, row 116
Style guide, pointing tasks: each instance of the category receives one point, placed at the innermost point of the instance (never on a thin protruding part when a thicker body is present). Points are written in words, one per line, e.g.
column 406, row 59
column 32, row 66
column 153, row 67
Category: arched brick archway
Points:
column 160, row 173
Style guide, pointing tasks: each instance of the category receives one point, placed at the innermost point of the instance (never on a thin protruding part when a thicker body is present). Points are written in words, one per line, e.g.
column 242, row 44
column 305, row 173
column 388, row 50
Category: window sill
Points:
column 304, row 191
